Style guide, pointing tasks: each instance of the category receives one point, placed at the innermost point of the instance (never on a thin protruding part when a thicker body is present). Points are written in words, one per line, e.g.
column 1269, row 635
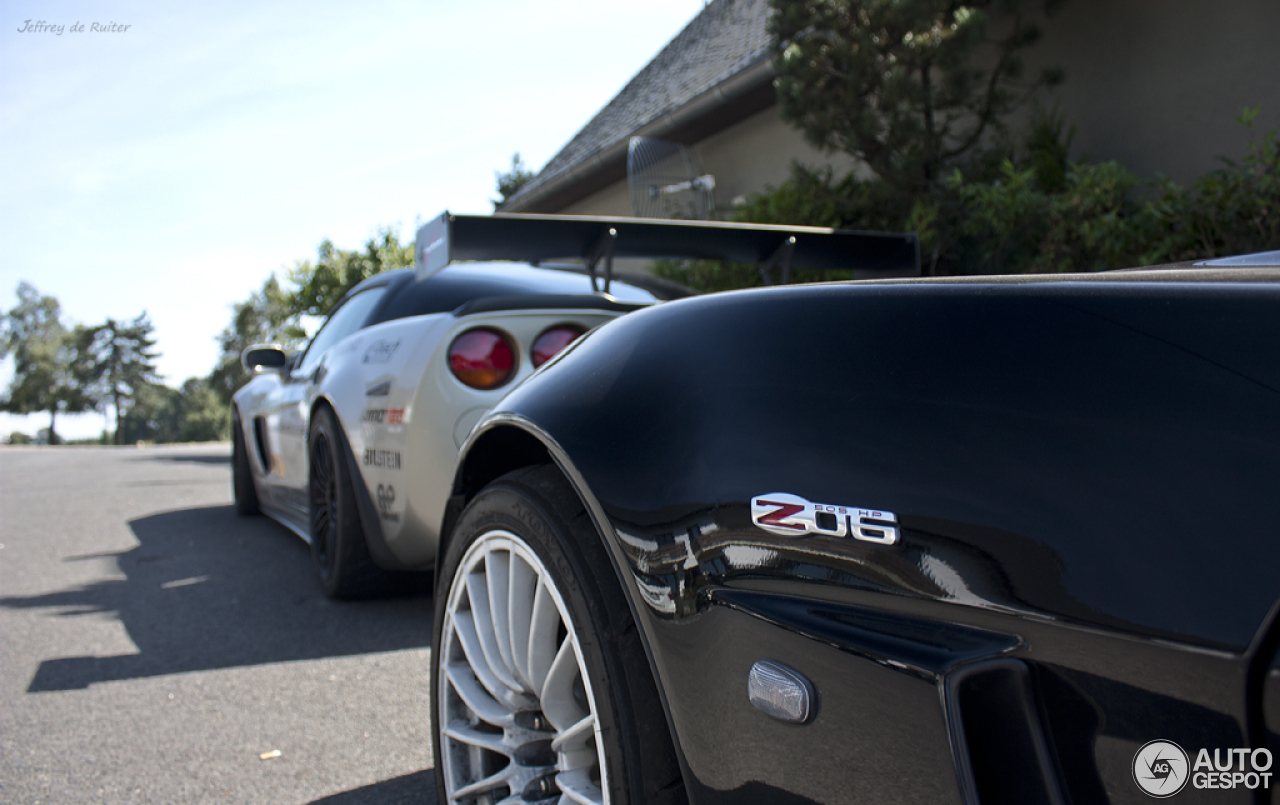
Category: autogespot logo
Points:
column 1160, row 768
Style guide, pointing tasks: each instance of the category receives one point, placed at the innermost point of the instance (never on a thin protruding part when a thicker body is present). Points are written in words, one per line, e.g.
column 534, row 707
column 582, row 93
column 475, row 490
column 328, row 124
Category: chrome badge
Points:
column 793, row 516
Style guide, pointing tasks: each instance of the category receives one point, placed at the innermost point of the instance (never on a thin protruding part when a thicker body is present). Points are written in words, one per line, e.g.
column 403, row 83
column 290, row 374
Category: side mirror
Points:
column 263, row 358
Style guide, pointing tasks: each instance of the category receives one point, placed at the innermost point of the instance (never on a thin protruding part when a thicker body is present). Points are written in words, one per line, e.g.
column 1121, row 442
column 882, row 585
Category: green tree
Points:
column 905, row 87
column 45, row 359
column 273, row 314
column 510, row 182
column 119, row 362
column 267, row 317
column 322, row 284
column 1231, row 210
column 161, row 414
column 202, row 415
column 152, row 416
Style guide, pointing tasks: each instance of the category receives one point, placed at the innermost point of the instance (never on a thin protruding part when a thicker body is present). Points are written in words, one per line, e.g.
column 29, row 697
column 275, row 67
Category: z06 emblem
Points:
column 793, row 516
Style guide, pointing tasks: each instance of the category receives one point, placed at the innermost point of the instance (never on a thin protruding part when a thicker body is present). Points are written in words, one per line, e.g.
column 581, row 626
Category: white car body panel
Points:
column 405, row 437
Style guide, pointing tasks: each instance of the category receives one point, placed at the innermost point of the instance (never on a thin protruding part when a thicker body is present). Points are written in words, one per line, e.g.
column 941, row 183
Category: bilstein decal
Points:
column 389, row 416
column 386, row 459
column 793, row 516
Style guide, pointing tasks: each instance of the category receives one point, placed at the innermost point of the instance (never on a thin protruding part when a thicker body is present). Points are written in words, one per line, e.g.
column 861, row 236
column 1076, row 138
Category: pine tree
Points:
column 120, row 363
column 510, row 182
column 906, row 88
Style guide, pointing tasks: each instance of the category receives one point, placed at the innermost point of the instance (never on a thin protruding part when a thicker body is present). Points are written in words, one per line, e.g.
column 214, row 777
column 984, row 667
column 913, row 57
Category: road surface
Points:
column 154, row 646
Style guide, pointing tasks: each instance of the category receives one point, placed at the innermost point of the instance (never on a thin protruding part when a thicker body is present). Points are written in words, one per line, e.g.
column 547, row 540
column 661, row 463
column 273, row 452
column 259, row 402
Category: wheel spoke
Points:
column 475, row 697
column 558, row 704
column 578, row 788
column 473, row 737
column 464, row 626
column 319, row 519
column 542, row 636
column 321, row 466
column 569, row 738
column 484, row 786
column 523, row 584
column 484, row 625
column 497, row 561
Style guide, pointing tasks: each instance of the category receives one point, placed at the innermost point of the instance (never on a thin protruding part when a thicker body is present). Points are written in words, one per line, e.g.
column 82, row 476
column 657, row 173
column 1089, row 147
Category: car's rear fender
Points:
column 370, row 381
column 456, row 408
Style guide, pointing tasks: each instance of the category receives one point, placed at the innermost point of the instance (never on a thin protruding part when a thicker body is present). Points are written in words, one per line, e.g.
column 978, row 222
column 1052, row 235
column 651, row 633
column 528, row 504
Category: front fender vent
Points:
column 1003, row 755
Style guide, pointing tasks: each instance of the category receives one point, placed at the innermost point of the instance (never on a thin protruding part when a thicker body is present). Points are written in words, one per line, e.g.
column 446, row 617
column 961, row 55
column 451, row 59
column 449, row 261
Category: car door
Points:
column 288, row 418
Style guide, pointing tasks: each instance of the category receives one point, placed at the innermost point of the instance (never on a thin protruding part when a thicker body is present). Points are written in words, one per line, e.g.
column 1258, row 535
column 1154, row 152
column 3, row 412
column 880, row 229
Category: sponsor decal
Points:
column 386, row 459
column 793, row 516
column 431, row 247
column 387, row 497
column 1161, row 769
column 380, row 351
column 389, row 416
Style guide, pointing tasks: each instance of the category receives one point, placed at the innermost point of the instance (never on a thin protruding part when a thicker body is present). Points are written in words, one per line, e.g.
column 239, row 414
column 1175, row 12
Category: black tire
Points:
column 242, row 488
column 338, row 548
column 632, row 743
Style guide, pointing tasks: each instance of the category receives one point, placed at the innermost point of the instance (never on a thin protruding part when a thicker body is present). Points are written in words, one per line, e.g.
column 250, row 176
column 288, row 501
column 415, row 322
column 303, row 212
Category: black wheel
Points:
column 242, row 488
column 540, row 683
column 338, row 548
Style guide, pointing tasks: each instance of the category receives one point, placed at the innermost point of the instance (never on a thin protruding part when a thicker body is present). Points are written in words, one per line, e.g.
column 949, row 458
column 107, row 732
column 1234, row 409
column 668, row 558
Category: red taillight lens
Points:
column 482, row 358
column 553, row 340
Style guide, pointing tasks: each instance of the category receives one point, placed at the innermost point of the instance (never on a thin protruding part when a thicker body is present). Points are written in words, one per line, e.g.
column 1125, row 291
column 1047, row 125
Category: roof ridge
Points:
column 724, row 38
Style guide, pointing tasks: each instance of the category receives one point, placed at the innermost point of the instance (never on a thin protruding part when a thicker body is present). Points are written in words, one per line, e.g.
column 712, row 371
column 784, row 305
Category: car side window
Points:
column 345, row 320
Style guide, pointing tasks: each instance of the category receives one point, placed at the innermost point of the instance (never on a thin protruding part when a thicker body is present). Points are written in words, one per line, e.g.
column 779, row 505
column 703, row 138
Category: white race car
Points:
column 351, row 443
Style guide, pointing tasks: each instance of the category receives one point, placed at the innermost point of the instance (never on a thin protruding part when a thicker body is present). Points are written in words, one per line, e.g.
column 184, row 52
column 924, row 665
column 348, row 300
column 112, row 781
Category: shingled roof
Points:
column 727, row 42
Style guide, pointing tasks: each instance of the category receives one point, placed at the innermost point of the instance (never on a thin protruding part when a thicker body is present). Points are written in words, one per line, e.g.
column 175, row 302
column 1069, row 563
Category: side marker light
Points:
column 781, row 692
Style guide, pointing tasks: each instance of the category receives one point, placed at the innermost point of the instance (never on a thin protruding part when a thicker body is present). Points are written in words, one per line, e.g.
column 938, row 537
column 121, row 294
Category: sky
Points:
column 174, row 158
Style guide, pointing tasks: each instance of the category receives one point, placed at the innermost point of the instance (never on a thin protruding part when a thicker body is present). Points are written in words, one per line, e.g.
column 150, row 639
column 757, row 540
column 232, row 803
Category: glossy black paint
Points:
column 1086, row 478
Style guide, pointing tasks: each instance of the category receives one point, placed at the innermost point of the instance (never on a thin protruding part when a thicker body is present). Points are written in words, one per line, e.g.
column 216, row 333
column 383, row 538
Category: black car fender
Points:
column 1079, row 480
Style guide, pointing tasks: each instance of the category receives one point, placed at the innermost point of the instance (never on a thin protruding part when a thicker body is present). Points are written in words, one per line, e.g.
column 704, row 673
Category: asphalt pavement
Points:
column 155, row 647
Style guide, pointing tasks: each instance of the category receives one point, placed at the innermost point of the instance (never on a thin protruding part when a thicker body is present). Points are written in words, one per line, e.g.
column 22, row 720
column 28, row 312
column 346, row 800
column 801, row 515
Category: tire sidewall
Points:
column 324, row 424
column 244, row 492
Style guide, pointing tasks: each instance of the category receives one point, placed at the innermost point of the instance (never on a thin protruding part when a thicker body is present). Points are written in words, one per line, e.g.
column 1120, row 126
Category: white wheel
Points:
column 541, row 688
column 517, row 709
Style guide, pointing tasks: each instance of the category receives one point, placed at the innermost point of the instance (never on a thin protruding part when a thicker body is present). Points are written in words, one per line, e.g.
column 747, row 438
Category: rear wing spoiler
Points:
column 598, row 240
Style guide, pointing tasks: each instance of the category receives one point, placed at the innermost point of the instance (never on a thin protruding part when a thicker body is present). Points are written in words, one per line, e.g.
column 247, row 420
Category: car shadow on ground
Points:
column 187, row 458
column 418, row 788
column 205, row 589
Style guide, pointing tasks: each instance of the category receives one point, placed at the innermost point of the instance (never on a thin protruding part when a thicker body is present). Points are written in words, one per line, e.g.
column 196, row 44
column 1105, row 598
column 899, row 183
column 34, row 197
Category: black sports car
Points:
column 985, row 540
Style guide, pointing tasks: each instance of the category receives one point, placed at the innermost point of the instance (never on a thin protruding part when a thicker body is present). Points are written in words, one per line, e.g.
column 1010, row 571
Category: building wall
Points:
column 1154, row 84
column 745, row 158
column 1158, row 84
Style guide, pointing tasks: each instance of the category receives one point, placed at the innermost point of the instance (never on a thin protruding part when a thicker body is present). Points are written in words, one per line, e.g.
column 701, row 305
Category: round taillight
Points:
column 553, row 340
column 482, row 358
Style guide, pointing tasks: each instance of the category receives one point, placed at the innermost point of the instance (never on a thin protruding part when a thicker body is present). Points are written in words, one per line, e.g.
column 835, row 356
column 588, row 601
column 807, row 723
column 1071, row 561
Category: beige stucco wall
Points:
column 1154, row 84
column 745, row 158
column 1157, row 84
